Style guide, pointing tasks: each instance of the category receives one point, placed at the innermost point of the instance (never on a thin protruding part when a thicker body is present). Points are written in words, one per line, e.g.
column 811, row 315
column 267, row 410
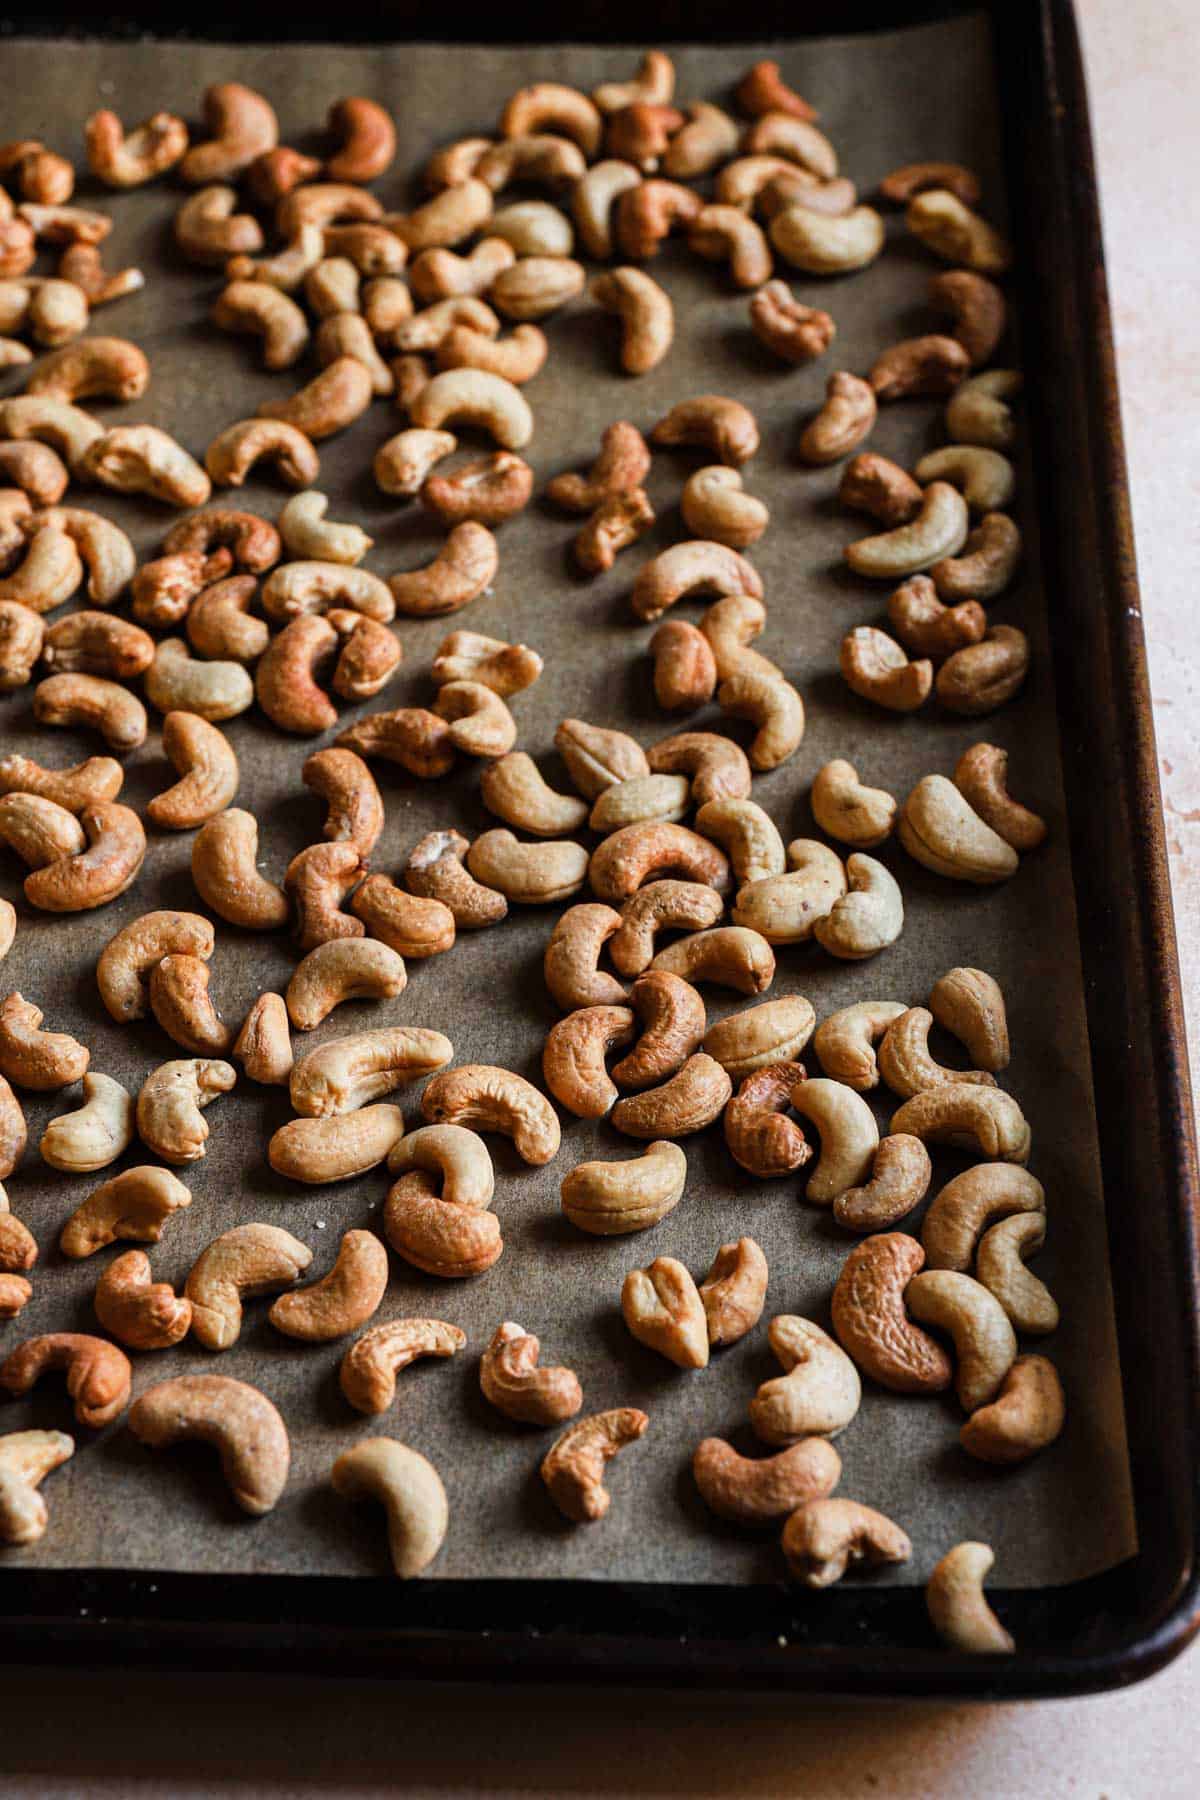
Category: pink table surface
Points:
column 110, row 1735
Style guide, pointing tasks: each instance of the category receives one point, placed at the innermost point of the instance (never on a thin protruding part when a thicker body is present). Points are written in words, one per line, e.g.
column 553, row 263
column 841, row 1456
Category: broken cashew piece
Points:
column 662, row 1308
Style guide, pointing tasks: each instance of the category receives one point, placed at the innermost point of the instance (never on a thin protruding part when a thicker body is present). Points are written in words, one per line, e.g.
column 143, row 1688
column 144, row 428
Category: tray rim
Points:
column 147, row 1615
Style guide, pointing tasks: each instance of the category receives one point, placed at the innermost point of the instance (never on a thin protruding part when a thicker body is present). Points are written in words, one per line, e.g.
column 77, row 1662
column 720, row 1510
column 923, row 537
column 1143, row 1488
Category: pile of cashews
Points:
column 408, row 307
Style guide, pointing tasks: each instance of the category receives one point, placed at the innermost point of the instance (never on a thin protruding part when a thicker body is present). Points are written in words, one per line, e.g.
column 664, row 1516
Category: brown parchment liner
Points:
column 885, row 100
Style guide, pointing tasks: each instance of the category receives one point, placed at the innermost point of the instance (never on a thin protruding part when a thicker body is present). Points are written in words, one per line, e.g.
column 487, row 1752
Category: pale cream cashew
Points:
column 105, row 549
column 402, row 464
column 573, row 1468
column 957, row 1608
column 536, row 158
column 953, row 231
column 514, row 789
column 47, row 575
column 784, row 909
column 981, row 1119
column 141, row 459
column 240, row 1422
column 938, row 531
column 535, row 286
column 825, row 1537
column 821, row 244
column 26, row 1458
column 170, row 1118
column 984, row 1341
column 528, row 874
column 646, row 799
column 451, row 217
column 96, row 1133
column 470, row 656
column 342, row 969
column 662, row 1308
column 846, row 809
column 868, row 917
column 335, row 1148
column 985, row 479
column 819, row 1392
column 774, row 706
column 849, row 1136
column 908, row 1066
column 134, row 1205
column 307, row 532
column 941, row 830
column 593, row 200
column 178, row 682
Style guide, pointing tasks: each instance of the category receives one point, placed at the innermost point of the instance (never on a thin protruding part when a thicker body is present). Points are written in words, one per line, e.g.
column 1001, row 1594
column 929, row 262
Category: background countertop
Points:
column 103, row 1735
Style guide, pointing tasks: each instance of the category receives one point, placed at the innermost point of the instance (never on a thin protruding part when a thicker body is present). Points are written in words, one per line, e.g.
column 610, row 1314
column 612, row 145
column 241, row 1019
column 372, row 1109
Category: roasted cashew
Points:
column 367, row 140
column 241, row 124
column 847, row 810
column 999, row 1266
column 458, row 574
column 821, row 244
column 327, row 404
column 846, row 418
column 528, row 874
column 128, row 958
column 479, row 720
column 208, row 770
column 983, row 676
column 984, row 1340
column 596, row 757
column 106, row 550
column 980, row 776
column 210, row 231
column 95, row 643
column 40, row 831
column 630, row 857
column 734, row 1291
column 247, row 1261
column 715, row 423
column 969, row 1003
column 478, row 398
column 236, row 450
column 573, row 1468
column 700, row 146
column 573, row 1058
column 925, row 627
column 572, row 955
column 263, row 1046
column 622, row 466
column 920, row 366
column 785, row 909
column 719, row 768
column 348, row 1072
column 662, row 905
column 671, row 1014
column 981, row 1119
column 774, row 706
column 537, row 158
column 900, row 1176
column 451, row 217
column 609, row 1199
column 321, row 587
column 537, row 285
column 437, row 274
column 104, row 368
column 141, row 459
column 126, row 160
column 342, row 1300
column 759, row 1135
column 819, row 1392
column 729, row 625
column 240, row 1422
column 647, row 799
column 134, row 1205
column 410, row 1490
column 178, row 682
column 986, row 480
column 513, row 1383
column 872, row 484
column 410, row 925
column 823, row 1537
column 965, row 1208
column 867, row 918
column 98, row 1374
column 685, row 670
column 285, row 680
column 938, row 531
column 116, row 849
column 67, row 429
column 26, row 1458
column 95, row 1134
column 170, row 1117
column 442, row 1237
column 335, row 1148
column 495, row 1099
column 769, row 1034
column 987, row 564
column 958, row 1611
column 513, row 789
column 649, row 212
column 142, row 1314
column 646, row 313
column 728, row 955
column 370, row 1366
column 1027, row 1414
column 435, row 871
column 872, row 1325
column 690, row 1100
column 951, row 230
column 663, row 1310
column 756, row 1491
column 906, row 1063
column 941, row 830
column 48, row 574
column 979, row 412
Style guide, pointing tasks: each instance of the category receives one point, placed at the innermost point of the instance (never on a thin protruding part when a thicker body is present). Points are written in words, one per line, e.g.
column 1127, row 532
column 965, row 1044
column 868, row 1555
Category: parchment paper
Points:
column 885, row 100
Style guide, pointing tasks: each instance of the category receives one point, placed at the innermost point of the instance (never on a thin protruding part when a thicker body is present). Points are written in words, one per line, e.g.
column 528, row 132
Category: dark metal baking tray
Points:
column 1105, row 1631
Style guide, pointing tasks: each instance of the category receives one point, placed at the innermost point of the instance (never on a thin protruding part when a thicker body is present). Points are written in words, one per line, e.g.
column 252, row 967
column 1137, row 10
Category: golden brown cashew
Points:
column 872, row 1325
column 663, row 1310
column 48, row 574
column 126, row 160
column 795, row 138
column 573, row 1058
column 111, row 863
column 240, row 1422
column 141, row 459
column 90, row 701
column 755, row 1491
column 908, row 1066
column 128, row 957
column 105, row 368
column 106, row 550
column 300, row 588
column 516, row 358
column 410, row 1490
column 820, row 244
column 210, row 231
column 260, row 310
column 94, row 643
column 95, row 1134
column 970, row 1004
column 341, row 1300
column 402, row 464
column 347, row 1072
column 366, row 138
column 987, row 564
column 495, row 1099
column 142, row 1314
column 479, row 720
column 769, row 1034
column 263, row 1046
column 513, row 788
column 329, row 403
column 444, row 1237
column 452, row 216
column 825, row 1537
column 609, row 1199
column 979, row 414
column 661, row 906
column 964, row 1209
column 528, row 874
column 774, row 706
column 849, row 1136
column 917, row 178
column 647, row 799
column 999, row 1266
column 489, row 491
column 938, row 531
column 729, row 625
column 225, row 871
column 134, row 1205
column 715, row 423
column 958, row 1611
column 846, row 418
column 748, row 836
column 725, row 234
column 872, row 484
column 692, row 1099
column 951, row 230
column 734, row 1291
column 31, row 1058
column 572, row 955
column 714, row 506
column 1027, row 1414
column 708, row 138
column 983, row 676
column 22, row 635
column 170, row 1118
column 759, row 1135
column 573, row 1468
column 728, row 955
column 648, row 212
column 981, row 777
column 762, row 89
column 322, row 203
column 646, row 313
column 797, row 333
column 927, row 628
column 247, row 1261
column 470, row 656
column 98, row 1374
column 819, row 1392
column 984, row 1341
column 785, row 909
column 347, row 335
column 241, row 124
column 285, row 681
column 178, row 682
column 597, row 757
column 40, row 831
column 165, row 588
column 615, row 524
column 900, row 1176
column 370, row 1366
column 26, row 1458
column 408, row 924
column 622, row 466
column 435, row 871
column 208, row 768
column 539, row 158
column 335, row 1148
column 342, row 969
column 478, row 398
column 344, row 781
column 458, row 574
column 685, row 670
column 180, row 1001
column 68, row 429
column 513, row 1383
column 629, row 858
column 18, row 1250
column 920, row 366
column 235, row 451
column 940, row 829
column 537, row 285
column 672, row 1017
column 979, row 1119
column 15, row 1295
column 847, row 810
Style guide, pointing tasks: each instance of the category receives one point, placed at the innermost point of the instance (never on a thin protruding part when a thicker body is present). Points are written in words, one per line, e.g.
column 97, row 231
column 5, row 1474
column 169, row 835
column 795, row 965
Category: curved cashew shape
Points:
column 443, row 1237
column 573, row 1468
column 662, row 1308
column 141, row 1313
column 98, row 1374
column 760, row 1136
column 494, row 1099
column 573, row 1058
column 126, row 160
column 528, row 874
column 969, row 1003
column 336, row 1147
column 847, row 810
column 999, row 1266
column 341, row 1300
column 849, row 1136
column 225, row 871
column 343, row 969
column 459, row 573
column 942, row 830
column 729, row 625
column 609, row 1199
column 176, row 682
column 906, row 1063
column 26, row 1458
column 818, row 1394
column 755, row 1491
column 871, row 1323
column 949, row 228
column 974, row 1200
column 435, row 871
column 110, row 864
column 235, row 451
column 348, row 1072
column 208, row 769
column 693, row 1098
column 646, row 313
column 824, row 1537
column 729, row 956
column 318, row 587
column 475, row 397
column 133, row 1205
column 868, row 918
column 409, row 1488
column 985, row 479
column 514, row 789
column 672, row 1017
column 247, row 1261
column 91, row 702
column 95, row 1134
column 711, row 422
column 40, row 831
column 984, row 1340
column 784, row 909
column 570, row 965
column 318, row 880
column 821, row 244
column 900, row 1175
column 18, row 1250
column 761, row 1036
column 774, row 706
column 980, row 775
column 127, row 958
column 370, row 1366
column 938, row 531
column 170, row 1118
column 636, row 854
column 748, row 836
column 960, row 1615
column 36, row 1059
column 329, row 403
column 141, row 459
column 105, row 368
column 979, row 1119
column 512, row 1382
column 1027, row 1414
column 459, row 1156
column 242, row 125
column 236, row 1419
column 480, row 722
column 978, row 412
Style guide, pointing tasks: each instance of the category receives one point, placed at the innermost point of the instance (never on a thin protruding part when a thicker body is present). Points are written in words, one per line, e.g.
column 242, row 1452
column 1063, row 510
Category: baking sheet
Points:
column 921, row 93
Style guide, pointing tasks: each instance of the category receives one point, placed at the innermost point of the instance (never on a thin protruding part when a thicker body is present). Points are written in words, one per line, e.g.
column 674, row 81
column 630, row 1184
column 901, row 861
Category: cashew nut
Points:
column 959, row 1613
column 134, row 1205
column 982, row 676
column 981, row 1119
column 824, row 1537
column 337, row 1147
column 143, row 1314
column 821, row 244
column 978, row 412
column 900, row 1176
column 242, row 125
column 225, row 871
column 98, row 1374
column 938, row 531
column 609, row 1199
column 494, row 1099
column 734, row 1291
column 760, row 1137
column 529, row 874
column 263, row 1046
column 170, row 1117
column 235, row 451
column 91, row 701
column 1027, row 1414
column 784, row 909
column 907, row 1064
column 999, row 1266
column 941, row 830
column 243, row 1426
column 867, row 918
column 573, row 1468
column 370, row 1366
column 688, row 1102
column 635, row 854
column 663, row 1310
column 985, row 479
column 31, row 1058
column 435, row 871
column 756, row 1491
column 712, row 422
column 348, row 1072
column 342, row 1300
column 141, row 459
column 951, row 230
column 127, row 959
column 871, row 1323
column 409, row 1488
column 96, row 1133
column 26, row 1458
